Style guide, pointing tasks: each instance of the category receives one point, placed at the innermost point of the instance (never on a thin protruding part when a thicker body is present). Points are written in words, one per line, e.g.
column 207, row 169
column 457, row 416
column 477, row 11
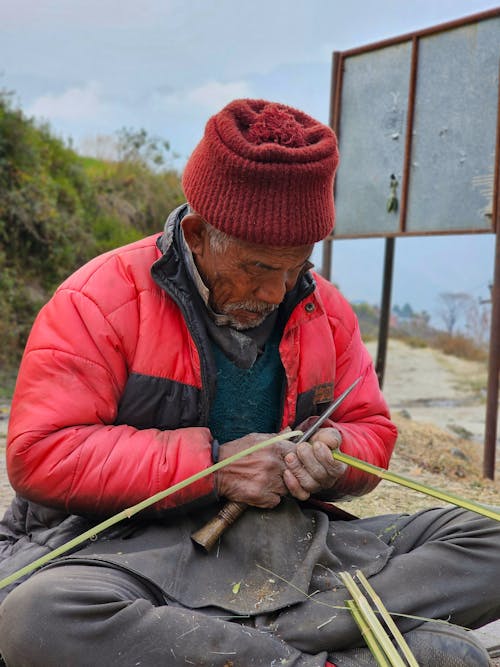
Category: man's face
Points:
column 246, row 281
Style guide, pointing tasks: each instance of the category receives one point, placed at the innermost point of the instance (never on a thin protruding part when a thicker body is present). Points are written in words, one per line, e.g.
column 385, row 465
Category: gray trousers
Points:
column 445, row 564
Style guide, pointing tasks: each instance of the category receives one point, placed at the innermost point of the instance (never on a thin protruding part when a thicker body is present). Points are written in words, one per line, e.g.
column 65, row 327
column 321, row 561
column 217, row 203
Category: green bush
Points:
column 59, row 209
column 109, row 233
column 135, row 196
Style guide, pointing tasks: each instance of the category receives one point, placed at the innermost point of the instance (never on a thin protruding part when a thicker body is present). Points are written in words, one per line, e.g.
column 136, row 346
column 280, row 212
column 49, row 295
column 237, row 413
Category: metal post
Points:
column 490, row 436
column 326, row 263
column 385, row 309
column 335, row 85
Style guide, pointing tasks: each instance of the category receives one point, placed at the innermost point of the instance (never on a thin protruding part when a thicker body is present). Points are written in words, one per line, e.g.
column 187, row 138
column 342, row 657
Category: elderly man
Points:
column 155, row 360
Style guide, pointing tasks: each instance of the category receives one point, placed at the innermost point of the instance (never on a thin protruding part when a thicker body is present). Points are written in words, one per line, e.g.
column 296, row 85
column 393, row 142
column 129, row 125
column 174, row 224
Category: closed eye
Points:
column 303, row 266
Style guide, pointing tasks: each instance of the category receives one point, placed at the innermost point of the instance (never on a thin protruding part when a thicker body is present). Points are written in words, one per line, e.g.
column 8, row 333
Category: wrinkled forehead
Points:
column 272, row 256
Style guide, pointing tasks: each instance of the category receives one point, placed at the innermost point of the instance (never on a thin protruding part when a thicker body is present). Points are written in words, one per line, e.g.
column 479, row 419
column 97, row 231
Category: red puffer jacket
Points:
column 112, row 398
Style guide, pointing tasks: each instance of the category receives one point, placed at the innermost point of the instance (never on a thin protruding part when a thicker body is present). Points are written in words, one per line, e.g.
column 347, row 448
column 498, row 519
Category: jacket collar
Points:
column 175, row 273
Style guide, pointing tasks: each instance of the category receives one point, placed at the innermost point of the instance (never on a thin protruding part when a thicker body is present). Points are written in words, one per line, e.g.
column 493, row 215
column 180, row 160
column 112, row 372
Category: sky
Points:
column 91, row 67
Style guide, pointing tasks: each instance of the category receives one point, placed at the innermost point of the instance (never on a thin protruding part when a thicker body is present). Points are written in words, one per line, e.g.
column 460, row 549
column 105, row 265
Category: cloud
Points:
column 214, row 95
column 74, row 104
column 208, row 97
column 95, row 13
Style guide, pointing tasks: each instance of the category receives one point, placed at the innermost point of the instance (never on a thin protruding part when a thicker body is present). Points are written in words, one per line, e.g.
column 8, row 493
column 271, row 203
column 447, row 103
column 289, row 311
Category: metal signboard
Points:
column 417, row 122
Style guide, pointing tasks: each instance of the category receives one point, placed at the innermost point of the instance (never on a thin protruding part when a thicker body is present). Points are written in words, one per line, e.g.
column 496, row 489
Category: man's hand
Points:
column 256, row 479
column 311, row 467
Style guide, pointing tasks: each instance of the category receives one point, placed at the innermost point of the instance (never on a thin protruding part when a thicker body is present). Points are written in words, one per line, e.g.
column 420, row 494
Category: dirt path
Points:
column 436, row 388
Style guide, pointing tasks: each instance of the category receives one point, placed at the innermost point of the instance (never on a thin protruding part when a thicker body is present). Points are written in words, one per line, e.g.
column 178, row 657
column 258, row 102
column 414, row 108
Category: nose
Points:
column 273, row 289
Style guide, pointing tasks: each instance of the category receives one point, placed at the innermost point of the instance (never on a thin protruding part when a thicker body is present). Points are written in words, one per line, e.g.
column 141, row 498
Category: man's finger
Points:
column 306, row 453
column 294, row 487
column 331, row 437
column 324, row 455
column 300, row 472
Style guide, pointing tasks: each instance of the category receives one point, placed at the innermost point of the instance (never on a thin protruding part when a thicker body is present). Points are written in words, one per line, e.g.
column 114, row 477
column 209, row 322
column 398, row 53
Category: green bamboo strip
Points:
column 387, row 618
column 312, row 598
column 368, row 635
column 134, row 509
column 372, row 620
column 417, row 486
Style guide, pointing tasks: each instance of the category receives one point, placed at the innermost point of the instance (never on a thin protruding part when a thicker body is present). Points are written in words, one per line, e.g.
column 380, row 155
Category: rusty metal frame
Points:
column 490, row 436
column 339, row 58
column 491, row 422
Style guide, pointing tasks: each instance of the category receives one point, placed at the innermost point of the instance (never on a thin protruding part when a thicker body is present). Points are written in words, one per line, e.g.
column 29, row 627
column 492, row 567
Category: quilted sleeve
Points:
column 63, row 449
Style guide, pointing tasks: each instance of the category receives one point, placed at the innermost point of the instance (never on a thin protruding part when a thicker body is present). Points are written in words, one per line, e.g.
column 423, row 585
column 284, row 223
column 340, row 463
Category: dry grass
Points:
column 430, row 455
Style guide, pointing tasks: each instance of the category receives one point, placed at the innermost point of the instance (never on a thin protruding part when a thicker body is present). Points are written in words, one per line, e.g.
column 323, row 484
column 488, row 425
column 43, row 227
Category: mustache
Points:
column 253, row 306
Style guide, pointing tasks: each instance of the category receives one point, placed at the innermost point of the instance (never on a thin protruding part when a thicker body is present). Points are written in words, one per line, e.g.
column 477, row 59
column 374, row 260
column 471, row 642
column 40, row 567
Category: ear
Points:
column 195, row 232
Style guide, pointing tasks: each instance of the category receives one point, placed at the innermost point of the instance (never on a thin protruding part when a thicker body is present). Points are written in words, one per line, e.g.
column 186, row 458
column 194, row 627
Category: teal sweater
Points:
column 247, row 400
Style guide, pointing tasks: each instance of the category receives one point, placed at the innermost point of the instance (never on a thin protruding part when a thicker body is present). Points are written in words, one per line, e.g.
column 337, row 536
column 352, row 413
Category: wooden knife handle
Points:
column 208, row 534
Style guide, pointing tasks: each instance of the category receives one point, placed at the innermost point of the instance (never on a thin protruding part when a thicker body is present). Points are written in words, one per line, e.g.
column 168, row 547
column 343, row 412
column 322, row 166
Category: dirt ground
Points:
column 434, row 399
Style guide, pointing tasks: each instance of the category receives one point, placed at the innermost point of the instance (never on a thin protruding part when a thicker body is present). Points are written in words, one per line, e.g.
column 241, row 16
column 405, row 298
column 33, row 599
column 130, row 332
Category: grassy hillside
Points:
column 58, row 209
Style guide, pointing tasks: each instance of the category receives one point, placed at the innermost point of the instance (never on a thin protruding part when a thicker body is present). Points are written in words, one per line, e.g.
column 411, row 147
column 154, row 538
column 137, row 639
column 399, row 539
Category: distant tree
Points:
column 453, row 309
column 477, row 321
column 405, row 312
column 100, row 146
column 141, row 148
column 425, row 317
column 130, row 146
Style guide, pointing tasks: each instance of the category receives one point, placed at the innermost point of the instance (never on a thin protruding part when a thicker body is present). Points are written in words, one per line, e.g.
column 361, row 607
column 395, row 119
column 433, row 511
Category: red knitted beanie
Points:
column 263, row 173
